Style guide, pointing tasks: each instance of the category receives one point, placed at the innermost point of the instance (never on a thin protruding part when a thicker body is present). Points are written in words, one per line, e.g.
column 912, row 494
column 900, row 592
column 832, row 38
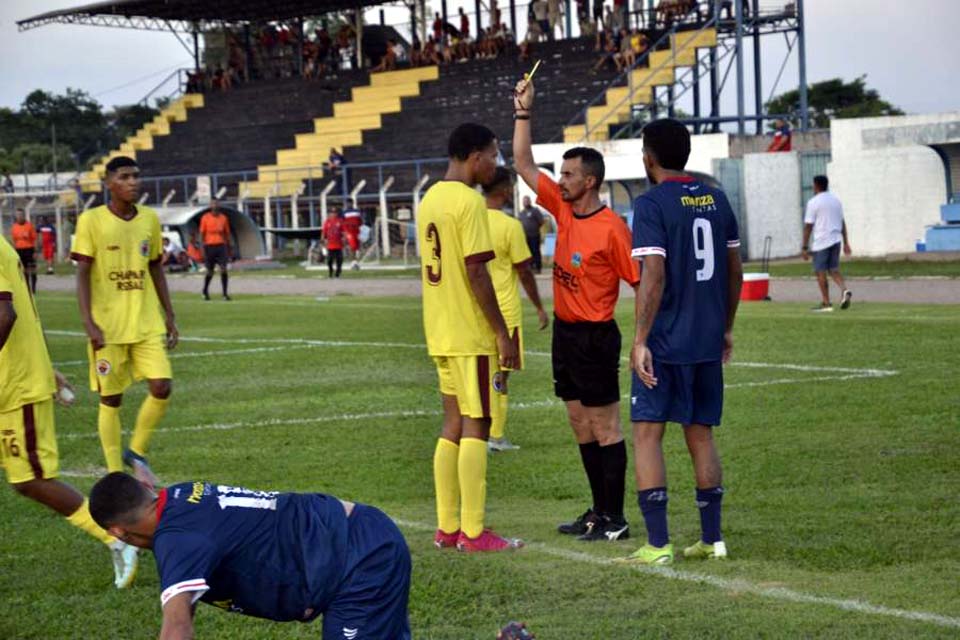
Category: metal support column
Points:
column 802, row 58
column 196, row 49
column 671, row 110
column 477, row 5
column 413, row 24
column 568, row 18
column 443, row 16
column 757, row 88
column 715, row 76
column 696, row 91
column 300, row 39
column 741, row 123
column 513, row 20
column 359, row 29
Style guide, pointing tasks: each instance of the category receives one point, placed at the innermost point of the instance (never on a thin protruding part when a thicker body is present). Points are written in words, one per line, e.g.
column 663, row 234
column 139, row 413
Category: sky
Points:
column 908, row 50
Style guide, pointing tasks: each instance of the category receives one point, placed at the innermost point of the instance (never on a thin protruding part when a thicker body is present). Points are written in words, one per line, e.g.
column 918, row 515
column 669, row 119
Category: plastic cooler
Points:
column 756, row 286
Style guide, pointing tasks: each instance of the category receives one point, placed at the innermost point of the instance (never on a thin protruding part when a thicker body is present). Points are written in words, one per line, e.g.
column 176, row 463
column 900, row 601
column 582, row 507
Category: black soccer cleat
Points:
column 579, row 526
column 604, row 528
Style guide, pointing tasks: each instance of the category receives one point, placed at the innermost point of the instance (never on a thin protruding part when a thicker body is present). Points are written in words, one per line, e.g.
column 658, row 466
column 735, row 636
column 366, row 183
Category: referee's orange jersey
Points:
column 214, row 229
column 592, row 256
column 24, row 236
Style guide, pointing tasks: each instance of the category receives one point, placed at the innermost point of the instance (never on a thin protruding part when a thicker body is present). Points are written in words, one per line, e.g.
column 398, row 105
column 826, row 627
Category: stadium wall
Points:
column 772, row 207
column 890, row 182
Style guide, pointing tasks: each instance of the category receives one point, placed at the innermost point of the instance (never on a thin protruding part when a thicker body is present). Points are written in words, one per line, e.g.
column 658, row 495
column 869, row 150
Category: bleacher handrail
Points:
column 628, row 99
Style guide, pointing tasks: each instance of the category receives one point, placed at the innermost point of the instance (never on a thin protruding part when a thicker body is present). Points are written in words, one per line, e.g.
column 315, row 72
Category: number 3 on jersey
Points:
column 433, row 267
column 703, row 247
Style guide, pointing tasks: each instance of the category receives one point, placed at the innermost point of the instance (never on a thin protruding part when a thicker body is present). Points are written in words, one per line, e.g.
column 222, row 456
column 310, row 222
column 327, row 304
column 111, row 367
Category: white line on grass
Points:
column 855, row 373
column 735, row 585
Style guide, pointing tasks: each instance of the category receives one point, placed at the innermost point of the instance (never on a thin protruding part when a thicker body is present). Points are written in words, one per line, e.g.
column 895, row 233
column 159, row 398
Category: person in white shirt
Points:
column 824, row 221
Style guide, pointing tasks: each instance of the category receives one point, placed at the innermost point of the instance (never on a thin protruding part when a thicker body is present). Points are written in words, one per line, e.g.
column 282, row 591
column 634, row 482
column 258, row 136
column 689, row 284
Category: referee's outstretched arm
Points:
column 523, row 162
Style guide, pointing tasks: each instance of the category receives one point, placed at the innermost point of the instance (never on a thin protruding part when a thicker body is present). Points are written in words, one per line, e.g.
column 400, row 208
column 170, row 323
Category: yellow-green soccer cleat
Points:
column 649, row 554
column 701, row 550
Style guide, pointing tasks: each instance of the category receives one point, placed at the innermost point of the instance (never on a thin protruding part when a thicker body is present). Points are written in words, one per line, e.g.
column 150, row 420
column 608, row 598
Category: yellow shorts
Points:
column 28, row 443
column 116, row 366
column 472, row 380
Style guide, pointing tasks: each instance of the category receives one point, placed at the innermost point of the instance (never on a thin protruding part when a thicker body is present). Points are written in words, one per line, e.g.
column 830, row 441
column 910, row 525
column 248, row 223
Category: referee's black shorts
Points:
column 28, row 258
column 586, row 362
column 215, row 254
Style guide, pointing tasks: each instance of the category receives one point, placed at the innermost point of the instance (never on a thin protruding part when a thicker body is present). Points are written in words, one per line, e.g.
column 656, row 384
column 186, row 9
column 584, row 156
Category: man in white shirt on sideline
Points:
column 824, row 220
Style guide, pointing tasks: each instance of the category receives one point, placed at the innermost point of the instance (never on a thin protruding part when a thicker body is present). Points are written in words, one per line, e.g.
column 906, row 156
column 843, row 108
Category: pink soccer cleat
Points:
column 487, row 541
column 446, row 540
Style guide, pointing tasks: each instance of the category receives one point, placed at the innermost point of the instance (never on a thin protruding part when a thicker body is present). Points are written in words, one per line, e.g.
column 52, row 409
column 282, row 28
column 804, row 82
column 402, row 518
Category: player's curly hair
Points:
column 118, row 498
column 668, row 140
column 502, row 177
column 467, row 138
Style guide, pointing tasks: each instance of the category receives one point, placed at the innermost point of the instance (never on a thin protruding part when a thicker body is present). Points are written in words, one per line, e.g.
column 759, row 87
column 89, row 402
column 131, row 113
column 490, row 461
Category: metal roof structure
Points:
column 187, row 16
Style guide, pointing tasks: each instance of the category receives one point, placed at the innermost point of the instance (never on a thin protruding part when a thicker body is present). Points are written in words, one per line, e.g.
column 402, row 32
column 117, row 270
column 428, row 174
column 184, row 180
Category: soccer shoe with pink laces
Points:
column 487, row 541
column 443, row 540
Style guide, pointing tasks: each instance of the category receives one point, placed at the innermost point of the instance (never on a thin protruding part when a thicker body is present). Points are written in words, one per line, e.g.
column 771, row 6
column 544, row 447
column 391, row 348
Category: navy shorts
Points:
column 685, row 393
column 372, row 601
column 827, row 259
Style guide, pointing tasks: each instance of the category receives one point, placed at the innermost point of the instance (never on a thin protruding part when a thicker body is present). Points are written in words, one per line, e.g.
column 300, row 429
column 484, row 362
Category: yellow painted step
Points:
column 694, row 39
column 650, row 78
column 399, row 90
column 275, row 172
column 323, row 142
column 405, row 75
column 347, row 123
column 261, row 189
column 574, row 133
column 192, row 100
column 390, row 105
column 302, row 158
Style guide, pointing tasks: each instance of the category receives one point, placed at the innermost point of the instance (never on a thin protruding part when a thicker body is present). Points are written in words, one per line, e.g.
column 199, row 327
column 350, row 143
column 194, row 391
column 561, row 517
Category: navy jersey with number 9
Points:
column 692, row 226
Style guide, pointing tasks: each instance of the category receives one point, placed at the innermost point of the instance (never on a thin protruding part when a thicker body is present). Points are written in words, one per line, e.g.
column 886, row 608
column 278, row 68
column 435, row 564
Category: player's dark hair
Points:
column 120, row 162
column 117, row 498
column 467, row 138
column 591, row 160
column 669, row 142
column 821, row 182
column 501, row 177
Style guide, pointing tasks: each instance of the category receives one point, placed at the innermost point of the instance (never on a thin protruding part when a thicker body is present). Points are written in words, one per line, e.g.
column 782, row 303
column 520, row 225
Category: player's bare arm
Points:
column 649, row 296
column 734, row 284
column 523, row 162
column 805, row 249
column 846, row 242
column 178, row 617
column 8, row 317
column 482, row 287
column 83, row 300
column 525, row 273
column 160, row 283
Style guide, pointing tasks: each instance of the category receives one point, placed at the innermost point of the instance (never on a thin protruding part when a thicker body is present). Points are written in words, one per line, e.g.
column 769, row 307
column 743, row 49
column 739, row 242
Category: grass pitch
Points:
column 839, row 444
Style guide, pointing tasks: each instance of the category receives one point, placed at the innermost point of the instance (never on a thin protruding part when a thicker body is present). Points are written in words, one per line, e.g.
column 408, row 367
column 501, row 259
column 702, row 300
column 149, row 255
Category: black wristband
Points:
column 517, row 116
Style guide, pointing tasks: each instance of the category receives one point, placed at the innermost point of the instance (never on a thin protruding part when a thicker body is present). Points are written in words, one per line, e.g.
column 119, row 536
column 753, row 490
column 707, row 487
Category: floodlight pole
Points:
column 802, row 57
column 323, row 200
column 416, row 208
column 384, row 218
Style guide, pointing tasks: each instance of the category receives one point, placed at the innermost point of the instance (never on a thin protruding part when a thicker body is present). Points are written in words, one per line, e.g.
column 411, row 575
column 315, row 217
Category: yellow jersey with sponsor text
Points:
column 510, row 247
column 123, row 301
column 453, row 231
column 26, row 375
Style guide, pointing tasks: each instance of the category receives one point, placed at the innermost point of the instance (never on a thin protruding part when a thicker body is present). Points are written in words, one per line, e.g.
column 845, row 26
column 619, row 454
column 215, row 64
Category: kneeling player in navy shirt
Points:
column 280, row 556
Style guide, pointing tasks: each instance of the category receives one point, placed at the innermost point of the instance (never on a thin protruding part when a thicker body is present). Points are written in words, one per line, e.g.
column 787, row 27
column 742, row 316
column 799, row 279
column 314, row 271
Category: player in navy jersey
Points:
column 280, row 556
column 686, row 234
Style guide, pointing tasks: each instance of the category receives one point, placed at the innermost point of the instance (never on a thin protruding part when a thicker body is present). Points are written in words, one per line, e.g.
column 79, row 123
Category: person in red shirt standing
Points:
column 352, row 221
column 592, row 257
column 48, row 239
column 333, row 232
column 782, row 137
column 215, row 231
column 24, row 238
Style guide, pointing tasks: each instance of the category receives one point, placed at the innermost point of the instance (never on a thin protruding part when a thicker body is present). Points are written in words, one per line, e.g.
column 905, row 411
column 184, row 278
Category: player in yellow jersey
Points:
column 28, row 441
column 466, row 336
column 121, row 287
column 510, row 266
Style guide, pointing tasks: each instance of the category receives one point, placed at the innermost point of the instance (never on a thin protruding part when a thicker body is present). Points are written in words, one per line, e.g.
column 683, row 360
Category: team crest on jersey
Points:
column 103, row 367
column 145, row 248
column 576, row 260
column 499, row 384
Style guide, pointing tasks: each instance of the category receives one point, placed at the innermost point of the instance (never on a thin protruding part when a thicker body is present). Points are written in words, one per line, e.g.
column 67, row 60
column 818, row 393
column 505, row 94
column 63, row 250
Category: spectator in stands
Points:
column 7, row 182
column 416, row 52
column 389, row 60
column 430, row 54
column 782, row 137
column 464, row 24
column 583, row 18
column 541, row 12
column 525, row 48
column 532, row 220
column 611, row 50
column 494, row 13
column 632, row 47
column 437, row 27
column 620, row 18
column 554, row 11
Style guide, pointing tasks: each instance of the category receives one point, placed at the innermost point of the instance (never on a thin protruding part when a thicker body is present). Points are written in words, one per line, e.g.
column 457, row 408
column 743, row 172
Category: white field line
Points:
column 733, row 585
column 305, row 342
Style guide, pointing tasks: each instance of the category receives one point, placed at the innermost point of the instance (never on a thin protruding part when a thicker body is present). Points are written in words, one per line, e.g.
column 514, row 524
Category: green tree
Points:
column 835, row 99
column 35, row 157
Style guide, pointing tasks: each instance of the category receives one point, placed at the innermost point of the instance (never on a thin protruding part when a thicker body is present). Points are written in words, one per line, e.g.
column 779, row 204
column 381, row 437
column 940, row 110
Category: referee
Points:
column 215, row 232
column 592, row 256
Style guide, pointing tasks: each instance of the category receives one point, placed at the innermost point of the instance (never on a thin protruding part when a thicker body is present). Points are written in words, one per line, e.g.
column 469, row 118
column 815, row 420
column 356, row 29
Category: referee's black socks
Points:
column 614, row 460
column 592, row 458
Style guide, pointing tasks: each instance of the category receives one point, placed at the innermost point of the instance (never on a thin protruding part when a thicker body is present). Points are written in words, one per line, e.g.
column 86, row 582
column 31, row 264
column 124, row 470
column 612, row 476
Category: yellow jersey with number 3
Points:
column 26, row 375
column 123, row 301
column 510, row 247
column 453, row 231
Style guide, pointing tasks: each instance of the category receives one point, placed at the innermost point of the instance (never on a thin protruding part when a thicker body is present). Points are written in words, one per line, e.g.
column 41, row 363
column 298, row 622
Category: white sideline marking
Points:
column 735, row 585
column 305, row 342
